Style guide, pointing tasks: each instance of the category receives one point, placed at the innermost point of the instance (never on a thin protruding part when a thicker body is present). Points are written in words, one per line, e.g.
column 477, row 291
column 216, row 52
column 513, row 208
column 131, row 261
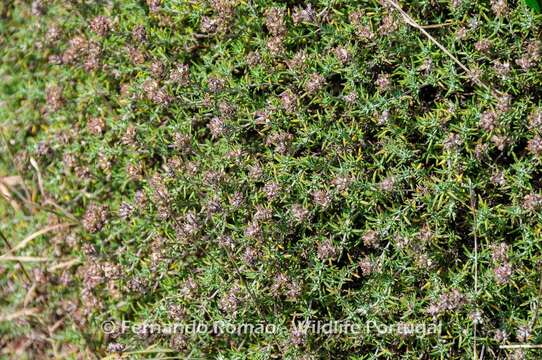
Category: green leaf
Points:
column 534, row 4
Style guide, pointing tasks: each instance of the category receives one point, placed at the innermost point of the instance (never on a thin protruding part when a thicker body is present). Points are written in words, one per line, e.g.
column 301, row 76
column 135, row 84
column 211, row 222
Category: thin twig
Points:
column 437, row 26
column 521, row 346
column 414, row 24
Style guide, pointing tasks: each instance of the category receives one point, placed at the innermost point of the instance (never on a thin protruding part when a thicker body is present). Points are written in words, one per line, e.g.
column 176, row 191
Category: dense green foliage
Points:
column 534, row 4
column 271, row 161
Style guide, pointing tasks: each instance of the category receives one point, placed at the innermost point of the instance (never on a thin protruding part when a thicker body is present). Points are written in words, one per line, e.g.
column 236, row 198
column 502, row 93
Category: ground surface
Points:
column 269, row 162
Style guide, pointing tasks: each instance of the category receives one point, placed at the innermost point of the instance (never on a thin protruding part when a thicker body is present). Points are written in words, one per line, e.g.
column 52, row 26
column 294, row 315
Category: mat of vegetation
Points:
column 270, row 162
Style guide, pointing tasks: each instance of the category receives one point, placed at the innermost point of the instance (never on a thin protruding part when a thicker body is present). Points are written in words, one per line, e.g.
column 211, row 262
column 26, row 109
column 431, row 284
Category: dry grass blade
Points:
column 24, row 259
column 6, row 194
column 521, row 346
column 40, row 180
column 18, row 314
column 410, row 21
column 31, row 237
column 62, row 210
column 65, row 264
column 437, row 26
column 11, row 180
column 5, row 184
column 19, row 170
column 29, row 295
